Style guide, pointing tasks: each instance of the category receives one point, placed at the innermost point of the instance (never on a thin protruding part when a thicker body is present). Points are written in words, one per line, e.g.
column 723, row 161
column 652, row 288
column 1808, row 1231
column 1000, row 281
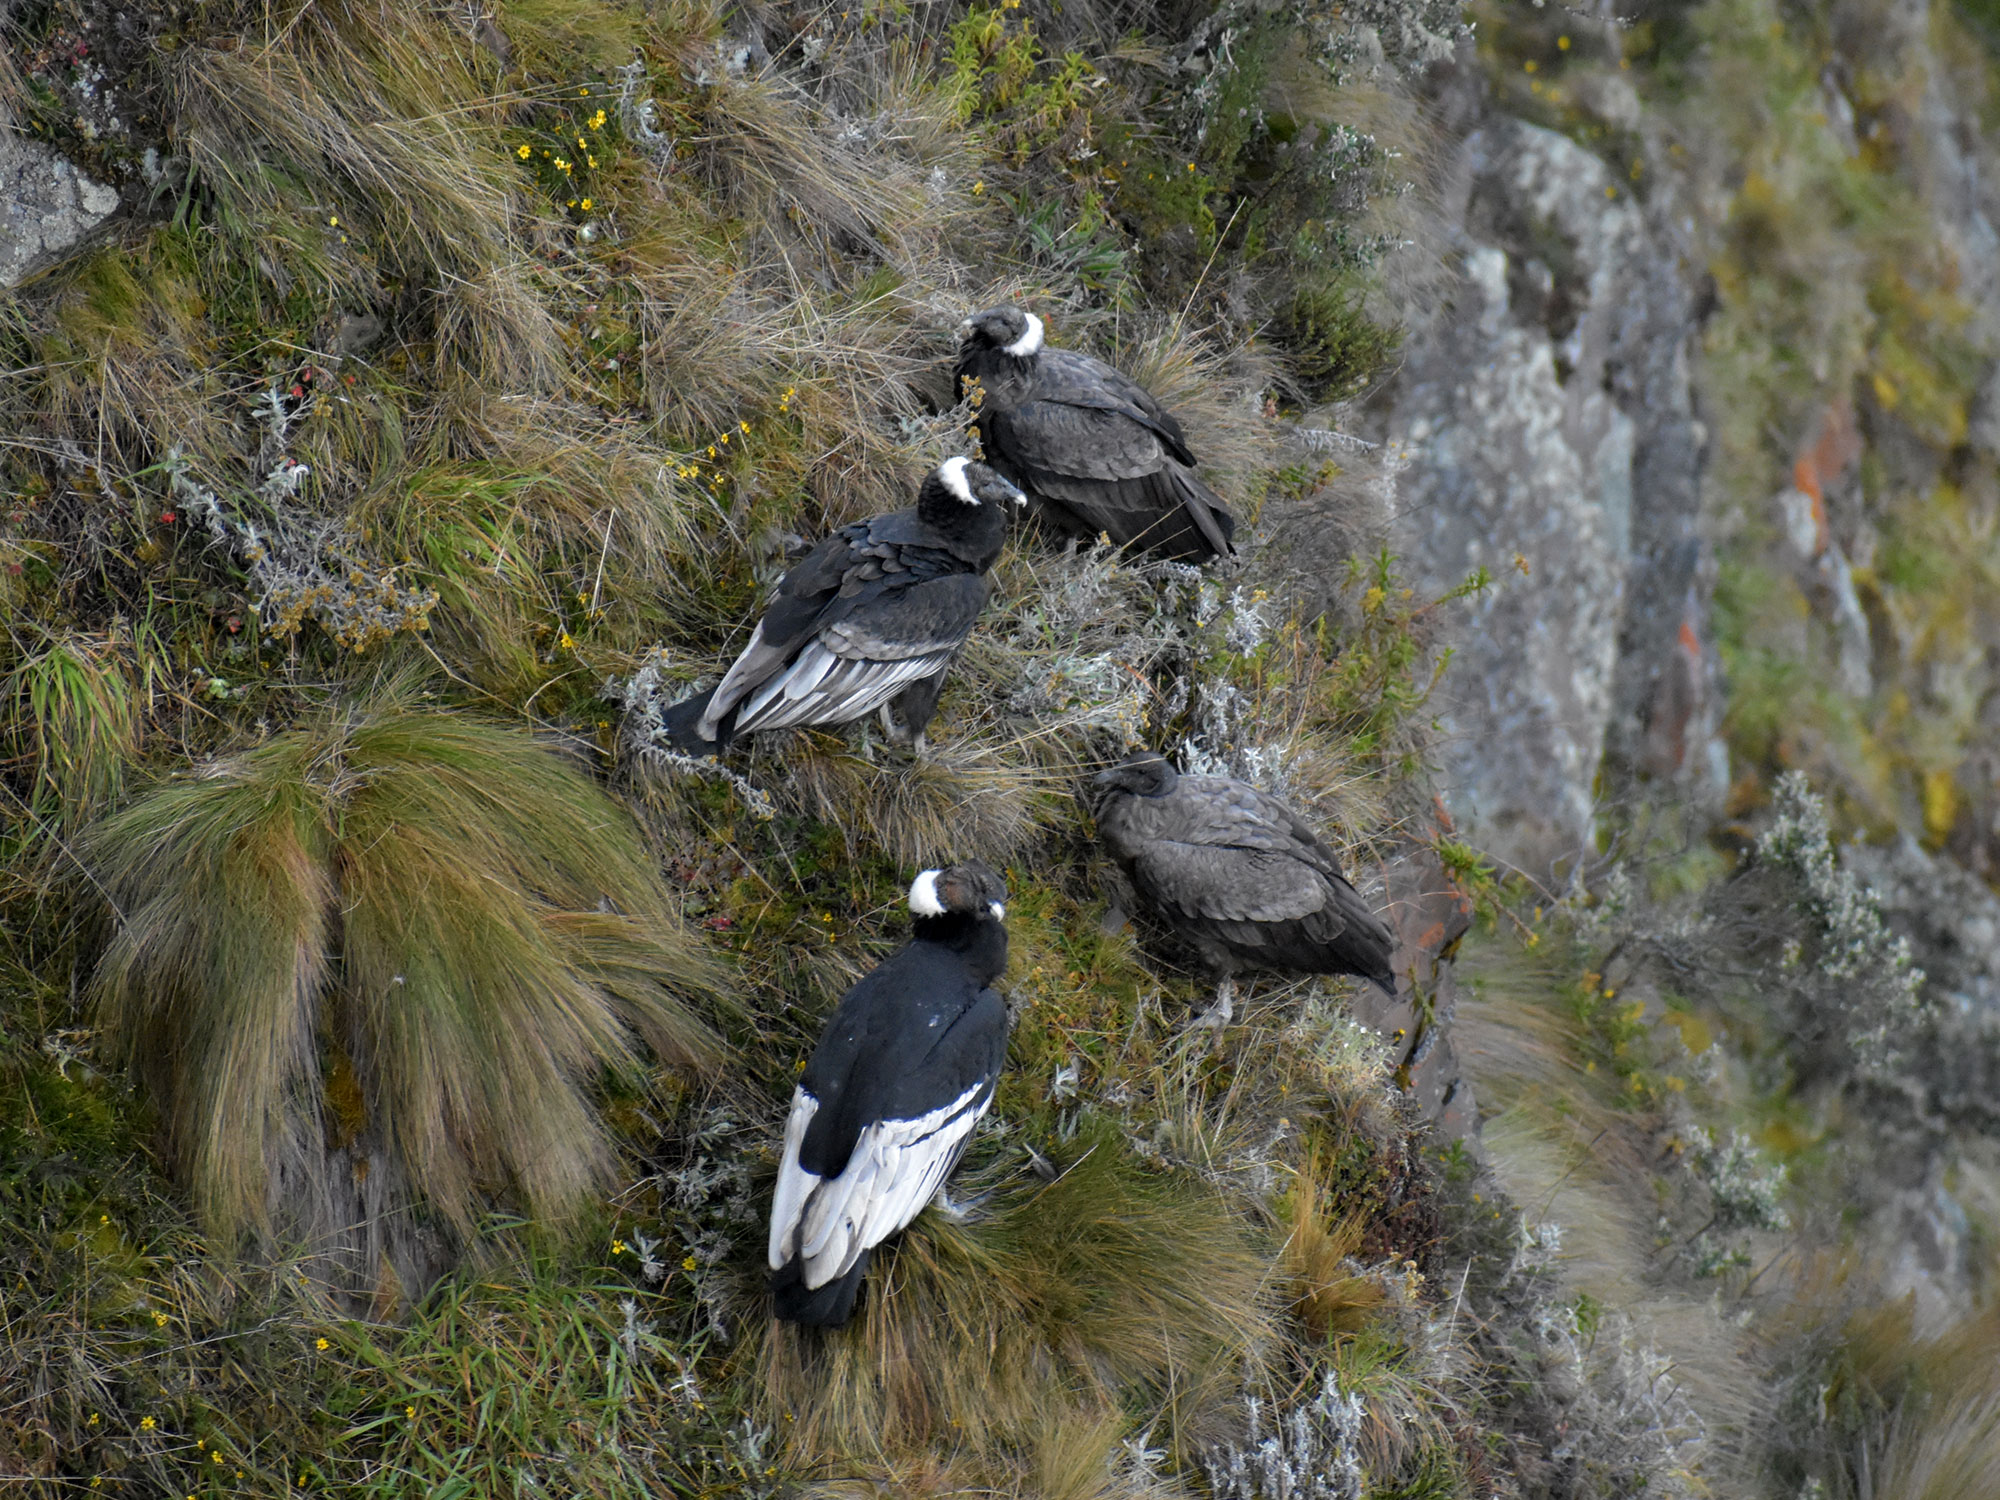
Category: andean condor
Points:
column 873, row 614
column 903, row 1072
column 1092, row 448
column 1239, row 874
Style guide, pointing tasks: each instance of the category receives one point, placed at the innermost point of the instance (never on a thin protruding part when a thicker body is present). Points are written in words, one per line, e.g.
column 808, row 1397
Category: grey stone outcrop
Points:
column 1549, row 416
column 46, row 205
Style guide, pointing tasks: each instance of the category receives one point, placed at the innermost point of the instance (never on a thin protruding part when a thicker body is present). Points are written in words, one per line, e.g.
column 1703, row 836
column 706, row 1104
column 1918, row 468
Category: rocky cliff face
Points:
column 1710, row 393
column 1549, row 407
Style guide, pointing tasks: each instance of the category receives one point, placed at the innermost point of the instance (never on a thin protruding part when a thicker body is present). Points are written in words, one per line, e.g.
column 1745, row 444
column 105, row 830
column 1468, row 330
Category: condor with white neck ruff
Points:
column 886, row 1105
column 1092, row 448
column 870, row 619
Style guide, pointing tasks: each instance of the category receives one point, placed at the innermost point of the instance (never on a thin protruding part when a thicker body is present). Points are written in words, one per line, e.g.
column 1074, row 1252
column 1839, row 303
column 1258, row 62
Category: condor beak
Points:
column 964, row 330
column 1106, row 778
column 1020, row 496
column 999, row 911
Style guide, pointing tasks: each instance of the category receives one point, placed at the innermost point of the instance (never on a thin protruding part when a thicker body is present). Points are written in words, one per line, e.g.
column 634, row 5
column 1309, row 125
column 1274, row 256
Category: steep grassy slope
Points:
column 442, row 405
column 453, row 378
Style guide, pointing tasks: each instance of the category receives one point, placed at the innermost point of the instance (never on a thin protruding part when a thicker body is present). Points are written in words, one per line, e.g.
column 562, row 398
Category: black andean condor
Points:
column 1092, row 448
column 1237, row 873
column 903, row 1072
column 870, row 618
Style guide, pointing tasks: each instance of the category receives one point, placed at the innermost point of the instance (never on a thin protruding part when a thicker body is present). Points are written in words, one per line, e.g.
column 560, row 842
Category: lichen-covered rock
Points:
column 1948, row 1083
column 46, row 205
column 1429, row 914
column 1549, row 410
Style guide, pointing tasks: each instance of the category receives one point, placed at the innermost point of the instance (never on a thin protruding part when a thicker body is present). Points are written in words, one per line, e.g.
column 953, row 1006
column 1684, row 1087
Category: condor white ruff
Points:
column 1029, row 342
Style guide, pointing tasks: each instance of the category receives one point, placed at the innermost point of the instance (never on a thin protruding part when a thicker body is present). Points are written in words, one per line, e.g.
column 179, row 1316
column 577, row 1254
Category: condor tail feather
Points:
column 828, row 1306
column 683, row 726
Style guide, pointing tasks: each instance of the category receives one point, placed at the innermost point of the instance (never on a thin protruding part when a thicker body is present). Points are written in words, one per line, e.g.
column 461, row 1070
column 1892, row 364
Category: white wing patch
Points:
column 732, row 686
column 795, row 1183
column 820, row 687
column 895, row 1169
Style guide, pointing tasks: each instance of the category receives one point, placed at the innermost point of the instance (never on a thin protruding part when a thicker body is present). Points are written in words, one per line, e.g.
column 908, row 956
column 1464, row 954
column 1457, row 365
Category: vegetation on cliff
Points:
column 395, row 1032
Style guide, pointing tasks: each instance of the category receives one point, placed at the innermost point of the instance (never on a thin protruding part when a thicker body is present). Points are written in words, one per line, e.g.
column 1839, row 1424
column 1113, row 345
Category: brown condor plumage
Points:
column 1238, row 874
column 1094, row 451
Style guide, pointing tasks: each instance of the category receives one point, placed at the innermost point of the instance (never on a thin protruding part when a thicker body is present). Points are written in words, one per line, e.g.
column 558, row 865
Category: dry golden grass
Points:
column 1051, row 1306
column 403, row 928
column 1332, row 1293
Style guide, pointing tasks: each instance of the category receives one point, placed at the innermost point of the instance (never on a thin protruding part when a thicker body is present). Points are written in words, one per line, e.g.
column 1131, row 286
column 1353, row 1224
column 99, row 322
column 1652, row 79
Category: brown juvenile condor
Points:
column 1239, row 875
column 1091, row 447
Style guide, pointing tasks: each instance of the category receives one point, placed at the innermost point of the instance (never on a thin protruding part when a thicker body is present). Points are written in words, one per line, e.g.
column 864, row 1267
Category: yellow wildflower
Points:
column 147, row 1424
column 410, row 1412
column 1562, row 44
column 321, row 1344
column 561, row 165
column 526, row 151
column 617, row 1247
column 565, row 641
column 597, row 120
column 584, row 92
column 591, row 159
column 711, row 450
column 585, row 205
column 688, row 1264
column 744, row 425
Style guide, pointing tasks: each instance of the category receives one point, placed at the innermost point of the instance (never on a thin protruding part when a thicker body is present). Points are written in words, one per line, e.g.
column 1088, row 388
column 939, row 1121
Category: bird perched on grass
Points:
column 1091, row 447
column 870, row 619
column 903, row 1072
column 1239, row 874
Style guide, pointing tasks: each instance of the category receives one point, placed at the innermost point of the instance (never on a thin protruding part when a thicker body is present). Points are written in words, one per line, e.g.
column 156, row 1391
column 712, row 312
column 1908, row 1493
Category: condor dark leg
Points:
column 912, row 710
column 683, row 726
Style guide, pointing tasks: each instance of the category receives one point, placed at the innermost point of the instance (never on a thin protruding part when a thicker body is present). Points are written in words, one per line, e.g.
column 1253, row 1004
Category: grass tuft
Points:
column 1056, row 1305
column 390, row 939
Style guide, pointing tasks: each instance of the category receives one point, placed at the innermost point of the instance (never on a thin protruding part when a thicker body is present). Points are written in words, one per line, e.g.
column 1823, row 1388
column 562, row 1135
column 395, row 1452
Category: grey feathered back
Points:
column 1245, row 878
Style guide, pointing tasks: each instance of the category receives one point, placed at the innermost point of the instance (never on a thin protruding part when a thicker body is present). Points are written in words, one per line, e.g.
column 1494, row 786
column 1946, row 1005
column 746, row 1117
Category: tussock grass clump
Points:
column 919, row 813
column 1332, row 1293
column 76, row 711
column 1057, row 1303
column 391, row 937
